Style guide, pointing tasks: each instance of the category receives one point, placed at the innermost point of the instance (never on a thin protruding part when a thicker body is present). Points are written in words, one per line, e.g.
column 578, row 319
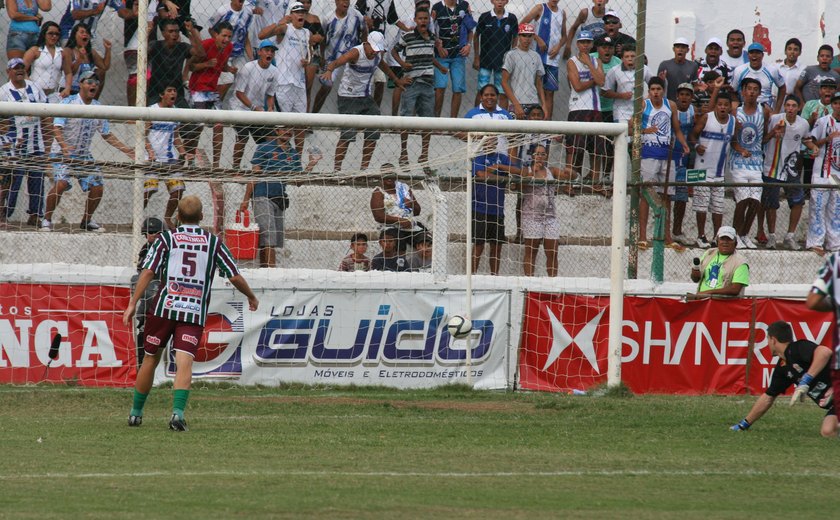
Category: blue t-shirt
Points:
column 271, row 158
column 488, row 198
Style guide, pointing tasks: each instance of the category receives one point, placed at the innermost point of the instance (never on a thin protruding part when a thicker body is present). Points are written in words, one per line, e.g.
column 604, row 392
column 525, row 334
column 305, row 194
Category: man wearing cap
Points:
column 550, row 38
column 712, row 61
column 291, row 59
column 522, row 74
column 355, row 92
column 26, row 140
column 73, row 140
column 612, row 24
column 254, row 90
column 823, row 226
column 808, row 84
column 768, row 76
column 721, row 271
column 605, row 53
column 586, row 77
column 678, row 70
column 495, row 33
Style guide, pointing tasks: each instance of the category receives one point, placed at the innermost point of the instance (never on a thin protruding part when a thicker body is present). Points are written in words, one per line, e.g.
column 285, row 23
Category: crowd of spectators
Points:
column 728, row 111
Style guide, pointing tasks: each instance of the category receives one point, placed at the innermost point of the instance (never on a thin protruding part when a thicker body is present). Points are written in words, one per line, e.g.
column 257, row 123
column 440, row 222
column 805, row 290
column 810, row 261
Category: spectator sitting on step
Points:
column 356, row 260
column 394, row 205
column 390, row 259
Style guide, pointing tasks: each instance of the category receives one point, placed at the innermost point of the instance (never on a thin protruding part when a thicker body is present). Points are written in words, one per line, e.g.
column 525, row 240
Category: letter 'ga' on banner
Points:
column 668, row 346
column 96, row 348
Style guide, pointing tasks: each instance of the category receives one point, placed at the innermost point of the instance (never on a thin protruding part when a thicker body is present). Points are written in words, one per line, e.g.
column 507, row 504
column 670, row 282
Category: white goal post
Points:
column 415, row 125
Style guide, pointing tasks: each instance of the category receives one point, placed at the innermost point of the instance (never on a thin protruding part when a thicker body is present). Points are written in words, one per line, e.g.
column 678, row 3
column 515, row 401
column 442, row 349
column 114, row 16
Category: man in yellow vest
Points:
column 721, row 271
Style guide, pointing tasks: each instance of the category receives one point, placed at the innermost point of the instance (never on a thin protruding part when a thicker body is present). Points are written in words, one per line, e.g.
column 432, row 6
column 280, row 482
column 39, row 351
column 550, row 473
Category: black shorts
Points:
column 594, row 144
column 488, row 228
column 259, row 133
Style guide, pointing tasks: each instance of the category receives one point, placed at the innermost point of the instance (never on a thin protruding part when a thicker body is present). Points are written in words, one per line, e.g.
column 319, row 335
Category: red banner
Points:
column 96, row 348
column 668, row 345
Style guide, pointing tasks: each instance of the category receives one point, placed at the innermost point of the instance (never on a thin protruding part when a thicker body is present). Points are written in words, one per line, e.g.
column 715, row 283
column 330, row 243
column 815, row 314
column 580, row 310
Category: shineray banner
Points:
column 395, row 338
column 66, row 334
column 668, row 345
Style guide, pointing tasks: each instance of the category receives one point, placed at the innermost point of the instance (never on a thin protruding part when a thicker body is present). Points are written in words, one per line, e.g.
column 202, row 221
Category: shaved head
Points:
column 189, row 210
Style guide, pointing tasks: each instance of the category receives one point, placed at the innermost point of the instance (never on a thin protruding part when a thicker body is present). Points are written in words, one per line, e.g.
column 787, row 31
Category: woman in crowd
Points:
column 25, row 19
column 47, row 65
column 83, row 57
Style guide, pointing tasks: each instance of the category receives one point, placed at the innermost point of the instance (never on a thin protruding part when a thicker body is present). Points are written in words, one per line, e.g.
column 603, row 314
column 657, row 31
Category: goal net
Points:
column 404, row 229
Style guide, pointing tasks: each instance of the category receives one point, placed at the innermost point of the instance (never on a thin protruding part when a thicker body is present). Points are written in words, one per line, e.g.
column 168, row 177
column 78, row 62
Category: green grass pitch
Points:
column 377, row 453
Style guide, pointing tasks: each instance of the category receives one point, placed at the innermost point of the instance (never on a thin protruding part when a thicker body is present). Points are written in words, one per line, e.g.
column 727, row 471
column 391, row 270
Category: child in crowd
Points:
column 356, row 260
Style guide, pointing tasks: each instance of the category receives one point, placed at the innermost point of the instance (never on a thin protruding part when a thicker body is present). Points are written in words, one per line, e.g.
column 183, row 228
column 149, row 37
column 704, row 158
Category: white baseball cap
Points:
column 682, row 41
column 714, row 41
column 727, row 231
column 377, row 41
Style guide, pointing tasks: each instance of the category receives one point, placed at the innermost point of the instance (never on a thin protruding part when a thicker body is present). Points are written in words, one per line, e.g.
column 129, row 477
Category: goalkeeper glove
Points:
column 742, row 426
column 801, row 389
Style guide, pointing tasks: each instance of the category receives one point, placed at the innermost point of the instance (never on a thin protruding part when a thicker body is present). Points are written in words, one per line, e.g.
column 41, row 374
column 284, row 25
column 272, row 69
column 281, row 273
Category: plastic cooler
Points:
column 243, row 237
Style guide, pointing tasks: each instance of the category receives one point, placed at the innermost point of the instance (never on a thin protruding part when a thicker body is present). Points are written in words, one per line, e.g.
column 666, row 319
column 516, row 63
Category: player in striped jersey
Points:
column 164, row 146
column 188, row 258
column 782, row 162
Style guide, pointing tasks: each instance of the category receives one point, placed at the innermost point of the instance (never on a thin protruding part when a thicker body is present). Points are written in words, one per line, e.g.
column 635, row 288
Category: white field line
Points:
column 431, row 474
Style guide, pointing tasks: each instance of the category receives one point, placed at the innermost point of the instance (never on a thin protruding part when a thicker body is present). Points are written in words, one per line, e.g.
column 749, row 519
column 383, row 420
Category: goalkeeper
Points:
column 802, row 363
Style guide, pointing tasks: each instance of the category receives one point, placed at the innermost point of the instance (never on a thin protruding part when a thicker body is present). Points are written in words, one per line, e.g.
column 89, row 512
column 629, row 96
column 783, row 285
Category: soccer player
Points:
column 801, row 363
column 824, row 296
column 73, row 138
column 189, row 257
column 164, row 147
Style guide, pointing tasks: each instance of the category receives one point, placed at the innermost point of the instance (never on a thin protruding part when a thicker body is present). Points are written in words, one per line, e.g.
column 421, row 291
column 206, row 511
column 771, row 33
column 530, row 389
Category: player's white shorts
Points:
column 226, row 78
column 708, row 198
column 291, row 99
column 747, row 192
column 654, row 170
column 379, row 76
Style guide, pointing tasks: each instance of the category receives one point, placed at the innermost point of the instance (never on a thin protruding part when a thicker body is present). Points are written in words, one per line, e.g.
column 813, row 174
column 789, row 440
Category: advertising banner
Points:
column 668, row 345
column 395, row 338
column 95, row 348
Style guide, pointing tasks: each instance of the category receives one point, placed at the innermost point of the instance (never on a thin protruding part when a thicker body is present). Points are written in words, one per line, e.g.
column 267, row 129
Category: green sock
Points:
column 179, row 402
column 139, row 403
